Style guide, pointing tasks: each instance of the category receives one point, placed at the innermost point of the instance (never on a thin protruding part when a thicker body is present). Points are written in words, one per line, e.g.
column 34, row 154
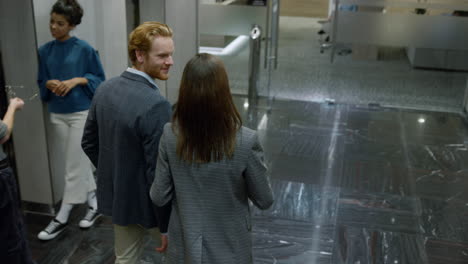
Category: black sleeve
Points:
column 163, row 214
column 151, row 127
column 90, row 140
column 5, row 217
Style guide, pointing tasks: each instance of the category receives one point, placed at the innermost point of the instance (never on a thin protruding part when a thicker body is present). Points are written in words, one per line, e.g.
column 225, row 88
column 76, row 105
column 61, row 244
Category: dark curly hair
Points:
column 70, row 9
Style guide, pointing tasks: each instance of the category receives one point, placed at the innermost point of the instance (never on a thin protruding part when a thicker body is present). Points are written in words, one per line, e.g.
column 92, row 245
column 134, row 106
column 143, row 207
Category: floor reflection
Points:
column 353, row 184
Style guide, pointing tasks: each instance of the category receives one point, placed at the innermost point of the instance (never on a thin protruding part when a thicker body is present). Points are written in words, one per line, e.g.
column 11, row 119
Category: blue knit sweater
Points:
column 64, row 60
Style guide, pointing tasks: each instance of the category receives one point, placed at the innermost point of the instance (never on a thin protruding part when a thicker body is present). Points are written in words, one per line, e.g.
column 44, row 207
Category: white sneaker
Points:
column 52, row 230
column 89, row 219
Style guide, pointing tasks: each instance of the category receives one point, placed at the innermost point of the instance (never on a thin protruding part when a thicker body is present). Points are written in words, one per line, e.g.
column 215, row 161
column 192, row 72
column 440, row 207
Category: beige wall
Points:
column 304, row 8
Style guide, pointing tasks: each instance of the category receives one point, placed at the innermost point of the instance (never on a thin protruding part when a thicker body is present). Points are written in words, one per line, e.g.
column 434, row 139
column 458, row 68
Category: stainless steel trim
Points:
column 276, row 30
column 267, row 35
column 334, row 30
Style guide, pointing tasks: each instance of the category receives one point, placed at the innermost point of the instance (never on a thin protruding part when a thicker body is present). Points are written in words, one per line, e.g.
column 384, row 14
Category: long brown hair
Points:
column 205, row 118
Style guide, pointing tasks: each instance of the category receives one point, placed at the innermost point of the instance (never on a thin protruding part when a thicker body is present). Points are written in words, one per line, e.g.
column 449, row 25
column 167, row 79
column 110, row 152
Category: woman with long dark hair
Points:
column 69, row 73
column 209, row 166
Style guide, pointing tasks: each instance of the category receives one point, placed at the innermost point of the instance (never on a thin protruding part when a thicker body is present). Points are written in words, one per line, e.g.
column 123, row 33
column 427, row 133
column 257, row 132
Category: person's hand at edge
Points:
column 16, row 103
column 164, row 244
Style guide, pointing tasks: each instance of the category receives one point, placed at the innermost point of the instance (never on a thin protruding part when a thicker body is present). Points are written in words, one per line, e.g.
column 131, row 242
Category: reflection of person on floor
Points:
column 209, row 166
column 69, row 73
column 121, row 138
column 14, row 248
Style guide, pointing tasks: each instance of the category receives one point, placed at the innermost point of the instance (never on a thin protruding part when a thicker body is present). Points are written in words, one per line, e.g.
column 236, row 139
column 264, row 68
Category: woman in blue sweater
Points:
column 69, row 73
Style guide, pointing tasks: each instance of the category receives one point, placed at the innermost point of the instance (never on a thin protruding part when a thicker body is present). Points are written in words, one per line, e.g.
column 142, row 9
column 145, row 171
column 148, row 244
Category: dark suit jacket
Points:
column 121, row 138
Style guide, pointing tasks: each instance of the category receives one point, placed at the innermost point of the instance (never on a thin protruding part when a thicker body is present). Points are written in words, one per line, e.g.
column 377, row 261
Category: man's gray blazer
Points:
column 121, row 138
column 210, row 219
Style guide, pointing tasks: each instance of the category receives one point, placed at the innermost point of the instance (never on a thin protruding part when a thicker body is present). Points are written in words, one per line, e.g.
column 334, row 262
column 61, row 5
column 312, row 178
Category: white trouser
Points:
column 67, row 131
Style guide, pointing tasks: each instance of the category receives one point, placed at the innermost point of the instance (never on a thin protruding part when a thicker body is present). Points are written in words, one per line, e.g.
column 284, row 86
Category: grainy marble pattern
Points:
column 352, row 184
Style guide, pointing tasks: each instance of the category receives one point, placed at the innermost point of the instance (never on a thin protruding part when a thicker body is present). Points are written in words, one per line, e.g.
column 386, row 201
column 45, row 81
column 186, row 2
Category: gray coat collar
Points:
column 138, row 78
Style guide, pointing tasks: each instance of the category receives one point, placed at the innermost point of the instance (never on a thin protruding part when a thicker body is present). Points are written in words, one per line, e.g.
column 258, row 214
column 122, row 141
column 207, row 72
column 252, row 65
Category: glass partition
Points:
column 436, row 25
column 375, row 52
column 224, row 28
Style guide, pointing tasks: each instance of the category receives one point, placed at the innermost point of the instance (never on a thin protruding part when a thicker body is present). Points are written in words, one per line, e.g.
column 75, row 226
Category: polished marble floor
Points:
column 352, row 183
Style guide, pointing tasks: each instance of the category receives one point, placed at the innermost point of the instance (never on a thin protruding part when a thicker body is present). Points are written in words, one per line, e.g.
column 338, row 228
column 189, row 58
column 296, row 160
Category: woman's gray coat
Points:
column 210, row 219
